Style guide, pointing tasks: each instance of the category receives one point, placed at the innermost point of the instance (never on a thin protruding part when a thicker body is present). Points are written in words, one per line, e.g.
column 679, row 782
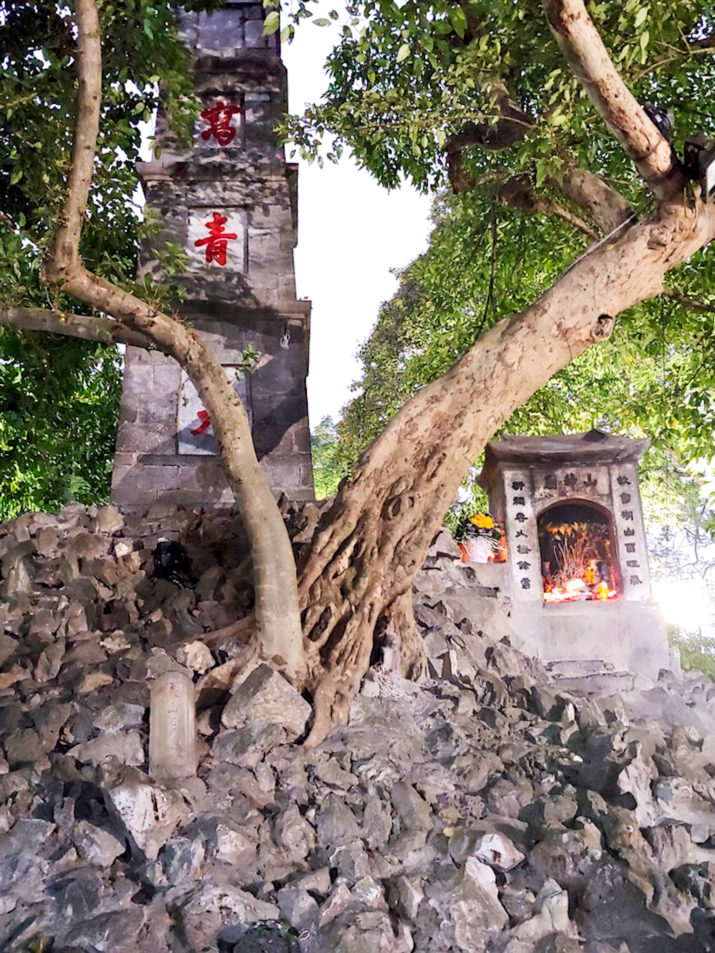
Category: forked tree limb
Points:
column 511, row 127
column 278, row 626
column 519, row 194
column 589, row 192
column 375, row 537
column 589, row 59
column 101, row 329
column 604, row 205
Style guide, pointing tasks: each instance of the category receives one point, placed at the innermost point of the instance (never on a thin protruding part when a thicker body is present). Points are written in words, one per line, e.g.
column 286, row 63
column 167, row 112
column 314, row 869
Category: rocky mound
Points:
column 483, row 810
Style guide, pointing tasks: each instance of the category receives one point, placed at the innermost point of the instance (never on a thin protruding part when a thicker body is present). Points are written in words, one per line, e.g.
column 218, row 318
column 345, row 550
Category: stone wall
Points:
column 235, row 170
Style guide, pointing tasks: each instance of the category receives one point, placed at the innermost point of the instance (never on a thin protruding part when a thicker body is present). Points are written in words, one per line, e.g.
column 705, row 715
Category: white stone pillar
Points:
column 172, row 727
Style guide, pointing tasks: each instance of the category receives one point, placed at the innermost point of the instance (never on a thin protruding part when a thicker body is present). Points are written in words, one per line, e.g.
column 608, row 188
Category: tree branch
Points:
column 64, row 254
column 511, row 128
column 687, row 302
column 278, row 626
column 87, row 327
column 518, row 193
column 591, row 194
column 583, row 48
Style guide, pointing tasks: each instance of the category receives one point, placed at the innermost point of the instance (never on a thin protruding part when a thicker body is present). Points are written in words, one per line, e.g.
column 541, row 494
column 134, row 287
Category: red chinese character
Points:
column 217, row 239
column 219, row 119
column 203, row 416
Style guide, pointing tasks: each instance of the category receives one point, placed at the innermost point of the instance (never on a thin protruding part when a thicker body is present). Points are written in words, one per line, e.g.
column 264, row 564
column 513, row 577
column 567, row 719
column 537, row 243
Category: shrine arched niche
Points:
column 578, row 553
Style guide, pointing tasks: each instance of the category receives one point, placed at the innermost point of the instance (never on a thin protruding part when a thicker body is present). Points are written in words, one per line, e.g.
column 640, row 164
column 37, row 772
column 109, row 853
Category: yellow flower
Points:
column 482, row 521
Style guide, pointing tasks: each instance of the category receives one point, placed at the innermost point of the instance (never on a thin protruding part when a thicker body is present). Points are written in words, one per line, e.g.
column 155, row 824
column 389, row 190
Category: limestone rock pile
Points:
column 482, row 811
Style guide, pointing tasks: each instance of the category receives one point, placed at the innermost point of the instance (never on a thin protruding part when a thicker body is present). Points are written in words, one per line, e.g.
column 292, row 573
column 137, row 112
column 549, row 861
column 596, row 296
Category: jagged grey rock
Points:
column 124, row 746
column 182, row 859
column 336, row 823
column 266, row 697
column 294, row 835
column 147, row 813
column 96, row 845
column 120, row 716
column 474, row 910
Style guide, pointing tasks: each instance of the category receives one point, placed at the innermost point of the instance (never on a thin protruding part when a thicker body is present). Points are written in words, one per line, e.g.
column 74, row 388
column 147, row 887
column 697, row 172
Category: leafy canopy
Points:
column 405, row 77
column 409, row 84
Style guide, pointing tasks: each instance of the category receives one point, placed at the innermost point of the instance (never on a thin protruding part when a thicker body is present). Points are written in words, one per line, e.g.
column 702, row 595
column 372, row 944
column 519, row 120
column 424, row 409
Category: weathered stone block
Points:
column 266, row 697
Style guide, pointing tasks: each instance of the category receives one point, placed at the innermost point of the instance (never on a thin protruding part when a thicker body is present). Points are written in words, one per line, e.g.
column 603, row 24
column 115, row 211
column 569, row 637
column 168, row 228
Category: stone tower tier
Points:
column 230, row 201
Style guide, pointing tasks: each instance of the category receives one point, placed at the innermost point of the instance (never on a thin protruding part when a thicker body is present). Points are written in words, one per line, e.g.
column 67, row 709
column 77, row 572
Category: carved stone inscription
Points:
column 630, row 533
column 522, row 537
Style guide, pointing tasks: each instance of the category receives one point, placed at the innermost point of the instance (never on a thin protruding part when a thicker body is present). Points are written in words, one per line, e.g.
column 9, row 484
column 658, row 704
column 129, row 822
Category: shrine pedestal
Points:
column 629, row 636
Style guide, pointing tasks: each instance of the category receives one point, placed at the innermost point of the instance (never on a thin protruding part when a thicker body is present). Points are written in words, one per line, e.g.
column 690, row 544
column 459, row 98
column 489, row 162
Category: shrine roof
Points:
column 581, row 449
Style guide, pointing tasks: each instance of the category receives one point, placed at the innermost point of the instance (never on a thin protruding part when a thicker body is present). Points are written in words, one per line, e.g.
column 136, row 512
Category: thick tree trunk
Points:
column 375, row 536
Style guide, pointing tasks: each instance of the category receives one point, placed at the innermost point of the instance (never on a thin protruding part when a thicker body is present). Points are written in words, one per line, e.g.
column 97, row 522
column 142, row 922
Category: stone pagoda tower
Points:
column 231, row 202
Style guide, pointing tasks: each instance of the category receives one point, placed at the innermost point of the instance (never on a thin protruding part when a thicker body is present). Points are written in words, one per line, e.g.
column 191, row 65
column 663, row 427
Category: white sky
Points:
column 351, row 232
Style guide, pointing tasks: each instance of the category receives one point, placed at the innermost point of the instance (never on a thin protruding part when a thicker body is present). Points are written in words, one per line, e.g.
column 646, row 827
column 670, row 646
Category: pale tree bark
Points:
column 604, row 205
column 375, row 537
column 86, row 327
column 278, row 628
column 589, row 59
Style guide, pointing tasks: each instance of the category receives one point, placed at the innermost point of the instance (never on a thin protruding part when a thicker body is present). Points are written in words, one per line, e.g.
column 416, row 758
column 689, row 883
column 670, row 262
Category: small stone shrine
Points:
column 231, row 202
column 577, row 566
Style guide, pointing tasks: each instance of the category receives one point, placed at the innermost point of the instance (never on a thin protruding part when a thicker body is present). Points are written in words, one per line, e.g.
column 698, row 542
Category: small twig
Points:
column 687, row 302
column 492, row 273
column 241, row 630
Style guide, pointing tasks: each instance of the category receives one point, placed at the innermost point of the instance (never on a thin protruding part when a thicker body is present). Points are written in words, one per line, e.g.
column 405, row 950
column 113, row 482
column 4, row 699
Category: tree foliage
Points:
column 328, row 462
column 60, row 399
column 655, row 377
column 406, row 77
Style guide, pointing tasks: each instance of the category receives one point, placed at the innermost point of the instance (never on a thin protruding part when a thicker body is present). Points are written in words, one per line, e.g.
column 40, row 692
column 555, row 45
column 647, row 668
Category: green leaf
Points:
column 16, row 176
column 458, row 19
column 403, row 52
column 271, row 23
column 641, row 16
